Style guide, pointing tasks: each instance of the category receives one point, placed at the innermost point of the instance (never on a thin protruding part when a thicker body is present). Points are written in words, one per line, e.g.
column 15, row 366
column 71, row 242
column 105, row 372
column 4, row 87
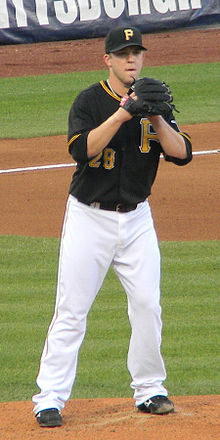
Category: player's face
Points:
column 125, row 65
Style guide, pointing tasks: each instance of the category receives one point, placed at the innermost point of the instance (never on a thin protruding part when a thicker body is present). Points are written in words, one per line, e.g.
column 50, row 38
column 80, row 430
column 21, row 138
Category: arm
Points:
column 153, row 98
column 100, row 136
column 172, row 142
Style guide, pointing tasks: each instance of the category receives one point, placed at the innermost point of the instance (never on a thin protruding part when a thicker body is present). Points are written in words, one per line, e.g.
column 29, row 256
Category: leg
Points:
column 83, row 264
column 138, row 268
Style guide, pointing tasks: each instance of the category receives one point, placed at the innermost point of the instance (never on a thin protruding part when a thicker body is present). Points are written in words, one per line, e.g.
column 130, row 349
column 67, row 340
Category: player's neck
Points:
column 112, row 90
column 117, row 88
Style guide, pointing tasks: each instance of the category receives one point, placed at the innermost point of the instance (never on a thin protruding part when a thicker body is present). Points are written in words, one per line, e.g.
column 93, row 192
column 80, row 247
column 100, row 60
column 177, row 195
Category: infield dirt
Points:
column 185, row 204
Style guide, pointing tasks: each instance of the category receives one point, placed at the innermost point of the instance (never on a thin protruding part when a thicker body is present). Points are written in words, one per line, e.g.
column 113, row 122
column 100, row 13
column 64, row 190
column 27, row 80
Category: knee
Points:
column 144, row 303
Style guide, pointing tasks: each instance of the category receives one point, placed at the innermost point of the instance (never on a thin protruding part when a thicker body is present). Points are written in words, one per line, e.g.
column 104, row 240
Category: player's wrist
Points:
column 155, row 119
column 123, row 115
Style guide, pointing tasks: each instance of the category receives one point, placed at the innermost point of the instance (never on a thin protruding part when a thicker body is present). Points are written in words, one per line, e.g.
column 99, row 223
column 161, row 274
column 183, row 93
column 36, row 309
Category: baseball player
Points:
column 117, row 130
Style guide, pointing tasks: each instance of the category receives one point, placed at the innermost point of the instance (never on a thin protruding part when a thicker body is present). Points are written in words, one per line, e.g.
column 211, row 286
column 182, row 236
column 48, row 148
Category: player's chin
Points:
column 130, row 78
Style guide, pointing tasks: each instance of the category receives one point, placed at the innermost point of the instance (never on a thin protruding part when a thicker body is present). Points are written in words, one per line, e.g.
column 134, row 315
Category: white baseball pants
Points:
column 92, row 240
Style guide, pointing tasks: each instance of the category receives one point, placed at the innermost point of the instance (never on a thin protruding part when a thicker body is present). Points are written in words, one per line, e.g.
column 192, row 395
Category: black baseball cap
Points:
column 121, row 37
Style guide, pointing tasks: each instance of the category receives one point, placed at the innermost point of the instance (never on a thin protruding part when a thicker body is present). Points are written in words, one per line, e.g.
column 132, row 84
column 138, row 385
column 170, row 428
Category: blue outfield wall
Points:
column 31, row 21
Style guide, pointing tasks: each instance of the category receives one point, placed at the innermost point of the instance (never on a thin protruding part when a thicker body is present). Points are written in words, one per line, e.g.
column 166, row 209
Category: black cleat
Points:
column 157, row 405
column 49, row 418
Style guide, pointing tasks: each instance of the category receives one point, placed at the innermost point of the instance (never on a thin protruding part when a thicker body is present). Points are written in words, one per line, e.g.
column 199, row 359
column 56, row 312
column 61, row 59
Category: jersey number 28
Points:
column 147, row 136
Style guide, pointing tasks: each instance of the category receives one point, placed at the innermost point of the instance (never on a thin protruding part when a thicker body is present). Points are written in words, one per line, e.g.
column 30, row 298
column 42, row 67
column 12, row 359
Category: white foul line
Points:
column 65, row 165
column 196, row 153
column 36, row 168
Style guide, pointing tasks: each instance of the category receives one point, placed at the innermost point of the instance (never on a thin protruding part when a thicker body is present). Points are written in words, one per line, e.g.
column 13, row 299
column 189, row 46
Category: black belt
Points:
column 119, row 207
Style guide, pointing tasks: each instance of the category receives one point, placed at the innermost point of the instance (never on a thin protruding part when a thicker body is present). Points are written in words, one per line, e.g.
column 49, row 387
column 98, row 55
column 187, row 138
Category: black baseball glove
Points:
column 153, row 98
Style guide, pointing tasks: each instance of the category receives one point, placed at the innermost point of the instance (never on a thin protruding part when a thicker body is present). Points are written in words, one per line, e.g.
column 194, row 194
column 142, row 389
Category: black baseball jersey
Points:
column 125, row 170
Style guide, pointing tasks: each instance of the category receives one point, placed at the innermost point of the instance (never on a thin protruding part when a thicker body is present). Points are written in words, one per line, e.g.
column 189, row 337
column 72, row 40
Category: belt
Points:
column 119, row 207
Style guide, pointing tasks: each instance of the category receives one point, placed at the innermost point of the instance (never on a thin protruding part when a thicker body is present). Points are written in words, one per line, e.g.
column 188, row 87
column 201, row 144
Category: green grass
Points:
column 39, row 105
column 190, row 300
column 195, row 88
column 191, row 310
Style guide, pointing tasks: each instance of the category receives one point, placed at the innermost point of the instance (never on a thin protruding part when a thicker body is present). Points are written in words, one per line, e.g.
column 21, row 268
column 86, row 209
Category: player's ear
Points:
column 107, row 60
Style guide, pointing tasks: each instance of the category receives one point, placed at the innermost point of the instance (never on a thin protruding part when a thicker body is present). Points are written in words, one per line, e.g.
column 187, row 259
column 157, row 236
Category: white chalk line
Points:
column 66, row 165
column 38, row 167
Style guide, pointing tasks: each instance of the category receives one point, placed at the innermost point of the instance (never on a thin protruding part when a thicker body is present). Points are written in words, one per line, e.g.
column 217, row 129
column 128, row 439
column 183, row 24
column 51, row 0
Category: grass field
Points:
column 39, row 106
column 190, row 300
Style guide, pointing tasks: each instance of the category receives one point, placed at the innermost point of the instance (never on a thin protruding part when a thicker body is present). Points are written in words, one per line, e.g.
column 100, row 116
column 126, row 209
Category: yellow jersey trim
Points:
column 73, row 139
column 185, row 135
column 109, row 91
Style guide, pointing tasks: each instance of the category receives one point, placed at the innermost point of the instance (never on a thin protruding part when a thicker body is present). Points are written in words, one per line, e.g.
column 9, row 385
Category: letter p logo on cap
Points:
column 128, row 34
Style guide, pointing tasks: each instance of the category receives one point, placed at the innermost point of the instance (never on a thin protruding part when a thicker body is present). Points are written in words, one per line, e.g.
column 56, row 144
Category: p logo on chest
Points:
column 147, row 135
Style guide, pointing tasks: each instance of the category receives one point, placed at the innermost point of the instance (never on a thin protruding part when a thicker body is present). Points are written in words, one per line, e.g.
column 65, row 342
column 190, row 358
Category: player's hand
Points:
column 152, row 97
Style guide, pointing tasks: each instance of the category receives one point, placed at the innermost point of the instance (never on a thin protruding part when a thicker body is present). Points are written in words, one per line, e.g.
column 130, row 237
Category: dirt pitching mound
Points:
column 195, row 418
